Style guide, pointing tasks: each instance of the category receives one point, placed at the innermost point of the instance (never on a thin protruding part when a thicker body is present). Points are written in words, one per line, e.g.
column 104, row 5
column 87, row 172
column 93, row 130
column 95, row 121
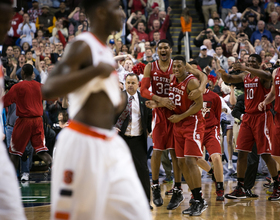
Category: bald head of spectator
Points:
column 156, row 25
column 208, row 44
column 274, row 17
column 261, row 25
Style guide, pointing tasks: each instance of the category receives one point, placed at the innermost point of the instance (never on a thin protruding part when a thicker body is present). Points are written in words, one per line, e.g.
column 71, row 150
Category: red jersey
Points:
column 16, row 20
column 277, row 91
column 160, row 80
column 212, row 109
column 254, row 93
column 178, row 94
column 28, row 98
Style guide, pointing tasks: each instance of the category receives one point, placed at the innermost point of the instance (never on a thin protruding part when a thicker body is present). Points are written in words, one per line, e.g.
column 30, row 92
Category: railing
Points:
column 186, row 38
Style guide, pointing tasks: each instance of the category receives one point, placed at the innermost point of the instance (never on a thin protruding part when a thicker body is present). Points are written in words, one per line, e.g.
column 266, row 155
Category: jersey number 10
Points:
column 250, row 93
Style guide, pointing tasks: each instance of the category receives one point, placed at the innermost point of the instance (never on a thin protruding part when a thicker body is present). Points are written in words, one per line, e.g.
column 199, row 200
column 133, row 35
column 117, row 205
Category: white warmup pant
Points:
column 95, row 178
column 10, row 197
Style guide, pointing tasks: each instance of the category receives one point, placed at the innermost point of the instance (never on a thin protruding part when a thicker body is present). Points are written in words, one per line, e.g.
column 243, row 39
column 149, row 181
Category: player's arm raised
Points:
column 271, row 95
column 144, row 90
column 198, row 103
column 74, row 70
column 203, row 81
column 232, row 78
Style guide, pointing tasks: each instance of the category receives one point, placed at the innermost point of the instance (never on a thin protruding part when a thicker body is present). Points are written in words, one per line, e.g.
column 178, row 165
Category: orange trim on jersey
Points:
column 62, row 215
column 82, row 128
column 1, row 71
column 104, row 45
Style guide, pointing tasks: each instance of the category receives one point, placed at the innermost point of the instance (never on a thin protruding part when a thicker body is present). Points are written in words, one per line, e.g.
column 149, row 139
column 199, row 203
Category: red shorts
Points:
column 256, row 128
column 163, row 130
column 188, row 136
column 276, row 136
column 211, row 140
column 25, row 130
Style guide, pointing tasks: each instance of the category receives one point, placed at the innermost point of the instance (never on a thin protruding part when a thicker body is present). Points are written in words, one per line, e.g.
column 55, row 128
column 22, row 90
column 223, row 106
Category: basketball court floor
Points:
column 36, row 199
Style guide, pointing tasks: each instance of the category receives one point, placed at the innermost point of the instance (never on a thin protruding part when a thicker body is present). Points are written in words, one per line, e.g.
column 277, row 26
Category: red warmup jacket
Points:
column 28, row 98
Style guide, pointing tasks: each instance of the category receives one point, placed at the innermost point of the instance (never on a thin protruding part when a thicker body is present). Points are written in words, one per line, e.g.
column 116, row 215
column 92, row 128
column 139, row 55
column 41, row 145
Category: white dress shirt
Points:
column 135, row 127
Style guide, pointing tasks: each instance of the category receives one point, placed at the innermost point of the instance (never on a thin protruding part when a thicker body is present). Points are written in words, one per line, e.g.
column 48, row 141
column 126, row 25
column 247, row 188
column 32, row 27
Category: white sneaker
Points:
column 25, row 177
column 230, row 165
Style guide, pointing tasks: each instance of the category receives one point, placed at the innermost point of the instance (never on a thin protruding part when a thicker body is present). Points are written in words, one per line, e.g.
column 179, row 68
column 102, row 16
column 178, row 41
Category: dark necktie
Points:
column 125, row 113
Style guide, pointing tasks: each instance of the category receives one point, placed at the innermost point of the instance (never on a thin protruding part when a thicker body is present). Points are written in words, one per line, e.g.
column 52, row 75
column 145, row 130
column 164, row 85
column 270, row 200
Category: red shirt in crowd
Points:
column 162, row 30
column 16, row 20
column 137, row 6
column 141, row 35
column 28, row 98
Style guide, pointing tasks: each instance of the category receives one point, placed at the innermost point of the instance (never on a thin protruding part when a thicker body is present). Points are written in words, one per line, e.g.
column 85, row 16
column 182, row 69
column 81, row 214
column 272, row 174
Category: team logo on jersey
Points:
column 206, row 109
column 183, row 87
column 68, row 176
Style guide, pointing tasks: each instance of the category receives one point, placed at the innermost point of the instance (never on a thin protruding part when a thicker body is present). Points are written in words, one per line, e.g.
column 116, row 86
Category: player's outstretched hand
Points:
column 104, row 70
column 261, row 106
column 151, row 104
column 166, row 102
column 174, row 118
column 194, row 94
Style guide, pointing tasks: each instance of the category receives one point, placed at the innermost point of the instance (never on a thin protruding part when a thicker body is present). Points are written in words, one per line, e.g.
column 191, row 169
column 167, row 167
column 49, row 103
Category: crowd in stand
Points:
column 40, row 33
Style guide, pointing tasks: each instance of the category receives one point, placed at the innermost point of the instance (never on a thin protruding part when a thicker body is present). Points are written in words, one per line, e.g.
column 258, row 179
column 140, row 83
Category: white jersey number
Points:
column 176, row 98
column 162, row 89
column 250, row 93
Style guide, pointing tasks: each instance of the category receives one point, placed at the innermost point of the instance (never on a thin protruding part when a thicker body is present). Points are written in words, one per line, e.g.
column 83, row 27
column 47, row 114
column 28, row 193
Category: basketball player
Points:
column 256, row 126
column 188, row 129
column 10, row 201
column 274, row 94
column 158, row 74
column 93, row 173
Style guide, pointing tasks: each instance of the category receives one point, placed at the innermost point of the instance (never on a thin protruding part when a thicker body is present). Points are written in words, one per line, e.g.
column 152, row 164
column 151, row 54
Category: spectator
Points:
column 136, row 18
column 137, row 5
column 226, row 6
column 9, row 52
column 245, row 28
column 63, row 14
column 274, row 25
column 270, row 8
column 210, row 50
column 203, row 60
column 162, row 29
column 206, row 34
column 140, row 31
column 151, row 3
column 156, row 37
column 221, row 57
column 57, row 53
column 46, row 21
column 16, row 51
column 34, row 12
column 233, row 20
column 16, row 20
column 62, row 121
column 211, row 20
column 217, row 30
column 251, row 13
column 126, row 68
column 26, row 28
column 257, row 8
column 208, row 7
column 153, row 16
column 59, row 33
column 148, row 58
column 260, row 32
column 82, row 19
column 186, row 26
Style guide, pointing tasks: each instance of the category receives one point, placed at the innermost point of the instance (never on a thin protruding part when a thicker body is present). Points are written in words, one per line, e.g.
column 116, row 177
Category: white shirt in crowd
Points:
column 135, row 127
column 26, row 31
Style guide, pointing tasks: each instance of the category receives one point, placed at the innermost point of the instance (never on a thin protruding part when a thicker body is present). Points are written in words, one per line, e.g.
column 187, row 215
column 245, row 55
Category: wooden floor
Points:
column 246, row 209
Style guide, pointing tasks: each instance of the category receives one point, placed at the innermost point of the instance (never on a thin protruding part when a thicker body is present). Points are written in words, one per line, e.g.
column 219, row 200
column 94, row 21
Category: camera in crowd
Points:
column 9, row 82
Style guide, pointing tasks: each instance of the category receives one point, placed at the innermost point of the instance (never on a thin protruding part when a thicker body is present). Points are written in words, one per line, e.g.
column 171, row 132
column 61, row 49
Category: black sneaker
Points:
column 156, row 195
column 169, row 192
column 238, row 193
column 198, row 208
column 220, row 195
column 250, row 194
column 176, row 199
column 275, row 195
column 188, row 210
